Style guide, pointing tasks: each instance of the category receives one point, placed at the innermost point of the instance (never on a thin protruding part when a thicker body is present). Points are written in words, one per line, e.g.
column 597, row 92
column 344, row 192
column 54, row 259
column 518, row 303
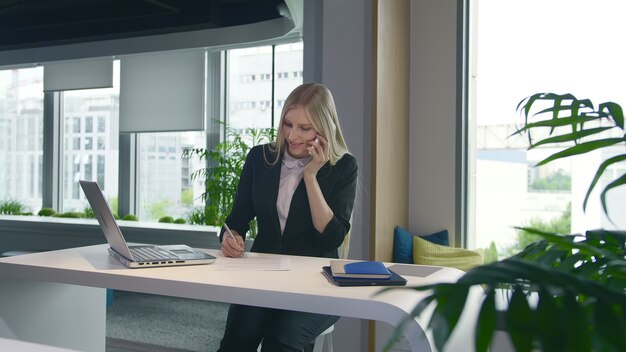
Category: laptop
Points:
column 144, row 256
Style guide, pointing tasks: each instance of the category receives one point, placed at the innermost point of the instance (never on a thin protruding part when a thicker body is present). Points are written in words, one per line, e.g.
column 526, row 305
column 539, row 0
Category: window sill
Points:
column 38, row 233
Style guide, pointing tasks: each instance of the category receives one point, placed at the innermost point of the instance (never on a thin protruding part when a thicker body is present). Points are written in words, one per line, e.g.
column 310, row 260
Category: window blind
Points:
column 162, row 92
column 78, row 74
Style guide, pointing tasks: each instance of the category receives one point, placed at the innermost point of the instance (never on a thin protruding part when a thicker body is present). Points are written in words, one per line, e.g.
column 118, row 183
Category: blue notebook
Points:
column 359, row 269
column 393, row 280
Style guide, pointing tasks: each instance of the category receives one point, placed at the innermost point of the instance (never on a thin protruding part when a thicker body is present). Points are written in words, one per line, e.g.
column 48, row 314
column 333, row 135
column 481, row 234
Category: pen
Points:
column 234, row 239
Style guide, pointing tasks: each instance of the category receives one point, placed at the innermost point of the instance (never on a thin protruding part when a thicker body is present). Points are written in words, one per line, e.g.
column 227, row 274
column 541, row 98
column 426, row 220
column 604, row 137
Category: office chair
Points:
column 324, row 342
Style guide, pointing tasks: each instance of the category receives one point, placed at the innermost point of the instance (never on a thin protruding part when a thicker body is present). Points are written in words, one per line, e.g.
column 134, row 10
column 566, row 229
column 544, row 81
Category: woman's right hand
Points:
column 232, row 247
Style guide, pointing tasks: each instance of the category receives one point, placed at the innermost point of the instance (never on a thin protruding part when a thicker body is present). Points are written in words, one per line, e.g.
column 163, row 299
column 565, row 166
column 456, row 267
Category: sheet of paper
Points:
column 251, row 263
column 414, row 270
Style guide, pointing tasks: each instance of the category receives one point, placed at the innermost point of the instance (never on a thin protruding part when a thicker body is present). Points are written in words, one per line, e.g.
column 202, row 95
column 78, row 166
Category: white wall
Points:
column 433, row 197
column 346, row 68
column 341, row 60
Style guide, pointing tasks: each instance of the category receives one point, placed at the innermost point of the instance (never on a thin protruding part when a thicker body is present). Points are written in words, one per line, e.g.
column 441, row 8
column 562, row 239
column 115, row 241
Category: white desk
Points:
column 23, row 346
column 36, row 288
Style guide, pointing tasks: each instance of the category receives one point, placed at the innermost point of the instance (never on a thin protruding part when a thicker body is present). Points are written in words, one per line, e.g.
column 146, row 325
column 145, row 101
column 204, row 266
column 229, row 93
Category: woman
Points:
column 301, row 190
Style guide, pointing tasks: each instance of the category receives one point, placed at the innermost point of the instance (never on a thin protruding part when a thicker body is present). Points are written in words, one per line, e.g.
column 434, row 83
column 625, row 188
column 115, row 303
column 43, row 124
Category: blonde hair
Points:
column 319, row 106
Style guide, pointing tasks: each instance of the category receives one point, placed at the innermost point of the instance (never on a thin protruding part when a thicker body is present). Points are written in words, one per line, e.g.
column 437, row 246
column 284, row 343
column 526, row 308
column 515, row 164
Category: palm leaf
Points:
column 618, row 182
column 599, row 173
column 568, row 242
column 575, row 326
column 526, row 104
column 615, row 111
column 398, row 331
column 582, row 148
column 486, row 324
column 563, row 121
column 446, row 315
column 519, row 321
column 570, row 137
column 547, row 316
column 609, row 328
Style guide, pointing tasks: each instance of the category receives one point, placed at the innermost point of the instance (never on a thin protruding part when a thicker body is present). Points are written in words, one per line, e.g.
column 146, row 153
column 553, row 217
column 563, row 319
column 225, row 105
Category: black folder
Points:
column 394, row 280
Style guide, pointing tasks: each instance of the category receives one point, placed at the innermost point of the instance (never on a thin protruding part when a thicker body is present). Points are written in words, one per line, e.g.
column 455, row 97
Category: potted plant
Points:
column 221, row 176
column 566, row 292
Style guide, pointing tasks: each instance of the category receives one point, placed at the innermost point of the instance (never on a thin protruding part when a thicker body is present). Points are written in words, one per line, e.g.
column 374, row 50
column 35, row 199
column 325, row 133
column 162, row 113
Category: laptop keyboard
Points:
column 148, row 253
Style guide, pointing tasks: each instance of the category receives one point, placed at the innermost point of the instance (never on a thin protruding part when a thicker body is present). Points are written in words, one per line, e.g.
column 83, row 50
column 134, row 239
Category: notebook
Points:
column 394, row 280
column 359, row 269
column 144, row 256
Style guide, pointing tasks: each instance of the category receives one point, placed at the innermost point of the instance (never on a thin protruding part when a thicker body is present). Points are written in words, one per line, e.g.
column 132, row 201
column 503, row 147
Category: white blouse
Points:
column 290, row 176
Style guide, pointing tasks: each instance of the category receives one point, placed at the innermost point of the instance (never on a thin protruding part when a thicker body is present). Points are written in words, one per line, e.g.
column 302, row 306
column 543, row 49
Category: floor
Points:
column 119, row 345
column 139, row 322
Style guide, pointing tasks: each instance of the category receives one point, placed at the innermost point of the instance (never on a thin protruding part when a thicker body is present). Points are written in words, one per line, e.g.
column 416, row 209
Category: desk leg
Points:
column 53, row 314
column 411, row 341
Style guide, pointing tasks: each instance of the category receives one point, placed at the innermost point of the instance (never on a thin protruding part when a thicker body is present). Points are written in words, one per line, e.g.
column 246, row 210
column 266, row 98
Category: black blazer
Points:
column 256, row 197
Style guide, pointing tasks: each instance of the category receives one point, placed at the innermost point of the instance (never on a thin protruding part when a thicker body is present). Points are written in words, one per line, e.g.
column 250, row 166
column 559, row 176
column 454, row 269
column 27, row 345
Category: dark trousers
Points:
column 279, row 330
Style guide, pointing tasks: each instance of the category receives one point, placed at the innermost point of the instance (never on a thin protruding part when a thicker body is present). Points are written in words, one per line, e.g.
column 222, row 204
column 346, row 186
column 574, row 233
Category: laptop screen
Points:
column 105, row 218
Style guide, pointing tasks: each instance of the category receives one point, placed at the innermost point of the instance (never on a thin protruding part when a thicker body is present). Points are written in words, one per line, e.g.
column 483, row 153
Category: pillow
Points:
column 427, row 253
column 440, row 238
column 403, row 244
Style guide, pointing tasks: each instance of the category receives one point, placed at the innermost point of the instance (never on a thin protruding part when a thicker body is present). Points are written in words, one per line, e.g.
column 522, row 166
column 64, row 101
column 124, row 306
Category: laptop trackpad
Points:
column 185, row 252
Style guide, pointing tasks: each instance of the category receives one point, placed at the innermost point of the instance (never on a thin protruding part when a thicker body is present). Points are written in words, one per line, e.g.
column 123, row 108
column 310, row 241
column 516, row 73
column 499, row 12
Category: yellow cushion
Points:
column 427, row 253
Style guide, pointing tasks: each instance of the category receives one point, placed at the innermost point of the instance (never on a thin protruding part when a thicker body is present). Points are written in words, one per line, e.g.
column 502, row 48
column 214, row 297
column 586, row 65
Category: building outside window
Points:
column 165, row 185
column 517, row 49
column 249, row 101
column 21, row 136
column 241, row 94
column 288, row 59
column 80, row 107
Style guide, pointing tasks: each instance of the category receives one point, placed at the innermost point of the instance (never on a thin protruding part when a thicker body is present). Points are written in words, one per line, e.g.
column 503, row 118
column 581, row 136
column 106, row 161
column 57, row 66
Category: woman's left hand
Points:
column 318, row 149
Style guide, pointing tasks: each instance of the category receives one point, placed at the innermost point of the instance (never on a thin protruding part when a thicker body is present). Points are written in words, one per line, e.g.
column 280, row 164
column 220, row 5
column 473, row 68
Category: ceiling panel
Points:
column 34, row 23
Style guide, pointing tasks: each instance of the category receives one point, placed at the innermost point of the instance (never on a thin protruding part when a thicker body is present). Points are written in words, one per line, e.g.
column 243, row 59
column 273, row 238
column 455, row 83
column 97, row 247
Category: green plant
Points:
column 186, row 197
column 70, row 214
column 46, row 212
column 577, row 282
column 490, row 254
column 224, row 165
column 558, row 181
column 158, row 209
column 196, row 216
column 180, row 221
column 89, row 213
column 562, row 224
column 166, row 219
column 590, row 130
column 11, row 207
column 130, row 217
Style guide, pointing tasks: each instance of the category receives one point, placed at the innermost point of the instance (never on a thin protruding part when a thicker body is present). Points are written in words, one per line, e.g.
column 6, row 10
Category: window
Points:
column 102, row 123
column 89, row 136
column 522, row 48
column 289, row 59
column 166, row 188
column 242, row 97
column 79, row 107
column 89, row 124
column 21, row 136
